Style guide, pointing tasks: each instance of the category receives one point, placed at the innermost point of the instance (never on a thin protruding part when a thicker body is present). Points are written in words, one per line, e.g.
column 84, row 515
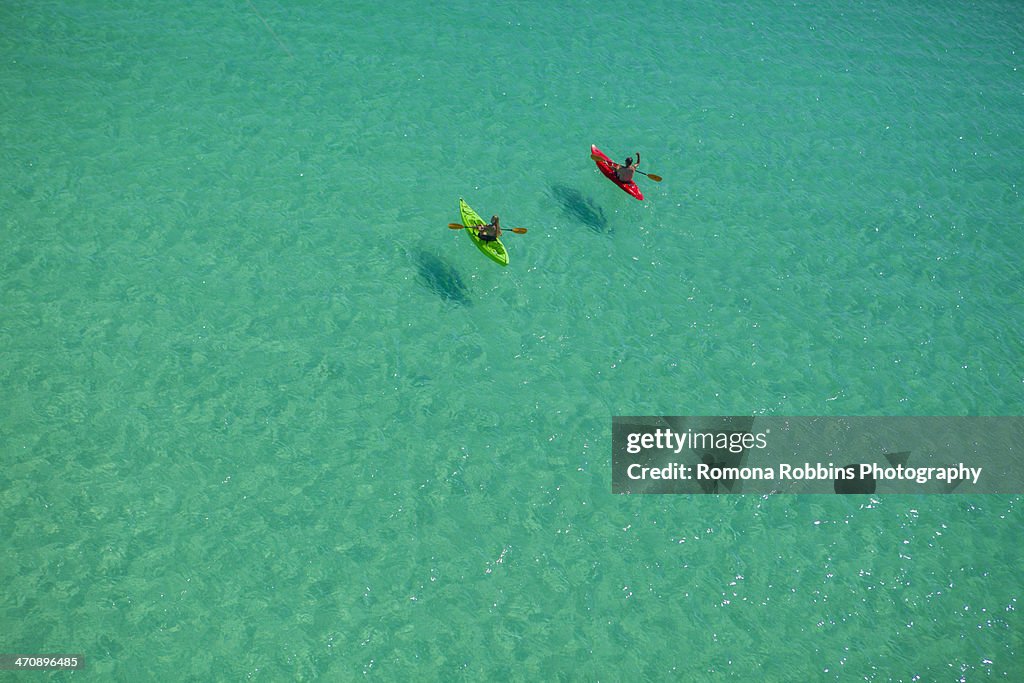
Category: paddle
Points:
column 460, row 226
column 652, row 176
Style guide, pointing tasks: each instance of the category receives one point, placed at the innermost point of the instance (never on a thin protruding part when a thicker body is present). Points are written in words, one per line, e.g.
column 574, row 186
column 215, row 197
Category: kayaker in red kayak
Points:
column 489, row 232
column 625, row 172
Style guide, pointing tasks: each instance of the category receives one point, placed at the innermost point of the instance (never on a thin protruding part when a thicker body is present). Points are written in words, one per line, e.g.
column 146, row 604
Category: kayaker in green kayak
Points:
column 491, row 231
column 625, row 172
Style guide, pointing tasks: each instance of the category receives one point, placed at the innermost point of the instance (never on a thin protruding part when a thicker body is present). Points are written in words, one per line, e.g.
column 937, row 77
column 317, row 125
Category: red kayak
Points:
column 607, row 167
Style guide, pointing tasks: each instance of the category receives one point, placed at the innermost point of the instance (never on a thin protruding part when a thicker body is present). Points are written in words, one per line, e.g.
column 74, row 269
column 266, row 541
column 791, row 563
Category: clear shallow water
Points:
column 265, row 415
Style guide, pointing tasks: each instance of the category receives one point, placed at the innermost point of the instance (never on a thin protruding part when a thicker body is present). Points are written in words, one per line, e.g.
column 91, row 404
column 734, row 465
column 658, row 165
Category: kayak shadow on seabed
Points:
column 581, row 208
column 441, row 278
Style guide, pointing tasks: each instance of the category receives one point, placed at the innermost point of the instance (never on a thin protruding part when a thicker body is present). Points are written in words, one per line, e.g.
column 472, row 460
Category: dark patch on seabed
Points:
column 581, row 208
column 441, row 278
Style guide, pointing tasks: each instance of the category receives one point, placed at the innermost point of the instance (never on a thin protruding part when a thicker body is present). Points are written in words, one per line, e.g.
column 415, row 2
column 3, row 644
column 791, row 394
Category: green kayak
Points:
column 493, row 250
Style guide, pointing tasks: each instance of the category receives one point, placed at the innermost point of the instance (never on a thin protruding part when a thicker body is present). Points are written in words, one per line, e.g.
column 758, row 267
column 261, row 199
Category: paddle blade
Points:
column 456, row 226
column 518, row 231
column 655, row 178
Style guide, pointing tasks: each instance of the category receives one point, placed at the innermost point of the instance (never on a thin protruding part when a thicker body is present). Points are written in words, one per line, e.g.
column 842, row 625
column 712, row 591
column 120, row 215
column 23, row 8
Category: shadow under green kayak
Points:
column 494, row 250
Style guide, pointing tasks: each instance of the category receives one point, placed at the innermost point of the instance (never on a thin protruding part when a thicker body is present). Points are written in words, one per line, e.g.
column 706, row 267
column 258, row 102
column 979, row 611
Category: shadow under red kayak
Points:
column 608, row 168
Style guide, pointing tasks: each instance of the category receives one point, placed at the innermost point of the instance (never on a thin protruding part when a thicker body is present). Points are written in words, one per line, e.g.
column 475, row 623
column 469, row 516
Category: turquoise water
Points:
column 266, row 417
